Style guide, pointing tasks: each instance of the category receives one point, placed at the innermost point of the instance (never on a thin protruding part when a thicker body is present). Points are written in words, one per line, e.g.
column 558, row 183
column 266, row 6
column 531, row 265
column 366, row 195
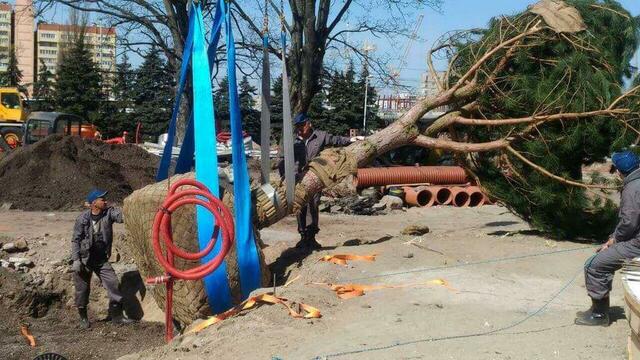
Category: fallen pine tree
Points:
column 531, row 99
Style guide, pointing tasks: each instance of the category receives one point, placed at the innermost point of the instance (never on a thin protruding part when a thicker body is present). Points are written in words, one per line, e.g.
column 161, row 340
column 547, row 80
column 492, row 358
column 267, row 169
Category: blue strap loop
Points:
column 165, row 161
column 216, row 284
column 247, row 252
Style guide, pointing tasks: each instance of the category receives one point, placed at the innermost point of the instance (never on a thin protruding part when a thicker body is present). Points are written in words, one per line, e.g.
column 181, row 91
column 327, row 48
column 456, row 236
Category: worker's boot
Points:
column 598, row 315
column 84, row 319
column 115, row 313
column 587, row 312
column 312, row 243
column 303, row 241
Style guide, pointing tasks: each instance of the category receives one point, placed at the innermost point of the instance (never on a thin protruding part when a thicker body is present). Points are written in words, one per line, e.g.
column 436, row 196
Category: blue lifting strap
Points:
column 216, row 284
column 165, row 161
column 247, row 252
column 186, row 160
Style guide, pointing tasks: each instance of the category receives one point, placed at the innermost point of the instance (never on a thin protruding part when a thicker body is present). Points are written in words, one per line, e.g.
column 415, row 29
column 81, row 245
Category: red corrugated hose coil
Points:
column 200, row 195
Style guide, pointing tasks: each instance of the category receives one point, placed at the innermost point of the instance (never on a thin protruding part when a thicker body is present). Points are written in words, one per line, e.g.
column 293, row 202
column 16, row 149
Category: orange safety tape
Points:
column 24, row 331
column 348, row 291
column 304, row 311
column 342, row 259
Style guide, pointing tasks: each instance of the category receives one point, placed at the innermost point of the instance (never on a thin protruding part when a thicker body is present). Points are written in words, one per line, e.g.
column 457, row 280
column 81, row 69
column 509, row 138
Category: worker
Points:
column 309, row 143
column 90, row 252
column 623, row 244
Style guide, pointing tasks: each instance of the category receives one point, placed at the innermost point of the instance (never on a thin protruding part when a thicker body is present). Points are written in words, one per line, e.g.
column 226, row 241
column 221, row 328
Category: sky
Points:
column 454, row 15
column 458, row 15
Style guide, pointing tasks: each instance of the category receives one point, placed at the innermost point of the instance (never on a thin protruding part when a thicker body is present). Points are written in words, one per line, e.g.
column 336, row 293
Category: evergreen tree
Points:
column 78, row 88
column 43, row 90
column 250, row 116
column 344, row 101
column 318, row 109
column 552, row 76
column 153, row 94
column 123, row 95
column 12, row 77
column 221, row 105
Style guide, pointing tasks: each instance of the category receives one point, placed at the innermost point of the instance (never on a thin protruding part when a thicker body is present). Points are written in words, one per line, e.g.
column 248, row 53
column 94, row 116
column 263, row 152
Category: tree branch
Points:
column 555, row 177
column 538, row 118
column 463, row 147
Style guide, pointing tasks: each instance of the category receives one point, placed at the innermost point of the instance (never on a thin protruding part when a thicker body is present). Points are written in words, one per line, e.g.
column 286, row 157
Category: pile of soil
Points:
column 55, row 326
column 57, row 172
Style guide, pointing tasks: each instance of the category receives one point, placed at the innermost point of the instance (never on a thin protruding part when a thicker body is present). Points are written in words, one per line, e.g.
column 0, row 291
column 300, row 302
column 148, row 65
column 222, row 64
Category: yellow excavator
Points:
column 12, row 116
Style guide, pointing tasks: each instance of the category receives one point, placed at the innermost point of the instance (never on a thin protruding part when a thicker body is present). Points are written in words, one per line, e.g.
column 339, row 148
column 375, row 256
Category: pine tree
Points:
column 344, row 101
column 12, row 77
column 221, row 105
column 153, row 94
column 318, row 111
column 43, row 91
column 555, row 76
column 250, row 116
column 123, row 94
column 78, row 88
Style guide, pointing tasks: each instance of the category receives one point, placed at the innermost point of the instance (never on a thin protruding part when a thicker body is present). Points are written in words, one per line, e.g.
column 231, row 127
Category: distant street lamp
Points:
column 366, row 48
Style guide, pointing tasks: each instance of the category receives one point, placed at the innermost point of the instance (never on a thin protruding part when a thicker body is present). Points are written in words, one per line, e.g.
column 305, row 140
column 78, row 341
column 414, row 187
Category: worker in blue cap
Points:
column 623, row 244
column 90, row 251
column 309, row 144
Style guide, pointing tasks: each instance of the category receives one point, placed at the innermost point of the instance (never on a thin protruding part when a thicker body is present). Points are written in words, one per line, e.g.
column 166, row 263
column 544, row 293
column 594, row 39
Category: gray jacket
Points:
column 628, row 227
column 82, row 239
column 305, row 150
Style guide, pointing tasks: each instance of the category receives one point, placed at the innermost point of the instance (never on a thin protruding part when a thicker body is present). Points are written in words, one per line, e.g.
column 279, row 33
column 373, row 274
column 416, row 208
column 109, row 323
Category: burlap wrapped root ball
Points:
column 189, row 300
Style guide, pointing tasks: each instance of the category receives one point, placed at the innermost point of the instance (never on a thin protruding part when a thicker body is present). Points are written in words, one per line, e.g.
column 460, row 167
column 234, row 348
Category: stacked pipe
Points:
column 426, row 186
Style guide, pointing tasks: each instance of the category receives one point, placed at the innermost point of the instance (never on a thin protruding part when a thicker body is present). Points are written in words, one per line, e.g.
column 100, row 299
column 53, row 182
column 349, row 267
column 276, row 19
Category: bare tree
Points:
column 314, row 27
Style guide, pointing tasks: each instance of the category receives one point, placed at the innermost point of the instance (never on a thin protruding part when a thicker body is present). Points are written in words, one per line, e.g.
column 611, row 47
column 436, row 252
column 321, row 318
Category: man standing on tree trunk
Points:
column 90, row 252
column 623, row 244
column 309, row 144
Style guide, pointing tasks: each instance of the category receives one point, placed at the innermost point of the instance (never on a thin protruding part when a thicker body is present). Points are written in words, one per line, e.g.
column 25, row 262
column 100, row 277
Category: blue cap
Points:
column 95, row 194
column 625, row 161
column 300, row 118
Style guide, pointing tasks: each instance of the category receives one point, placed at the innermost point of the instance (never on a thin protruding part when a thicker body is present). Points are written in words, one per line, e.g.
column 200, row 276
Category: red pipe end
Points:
column 460, row 197
column 443, row 195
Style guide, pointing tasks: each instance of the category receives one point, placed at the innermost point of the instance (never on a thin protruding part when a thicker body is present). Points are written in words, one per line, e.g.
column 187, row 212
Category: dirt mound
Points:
column 55, row 326
column 57, row 172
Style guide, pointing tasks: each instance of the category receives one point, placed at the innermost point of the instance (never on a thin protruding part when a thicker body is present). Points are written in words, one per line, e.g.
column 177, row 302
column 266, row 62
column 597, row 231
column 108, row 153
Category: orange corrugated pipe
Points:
column 476, row 196
column 460, row 197
column 437, row 175
column 418, row 196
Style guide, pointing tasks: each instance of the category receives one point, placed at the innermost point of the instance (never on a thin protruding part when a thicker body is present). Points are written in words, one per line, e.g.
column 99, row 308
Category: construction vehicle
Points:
column 12, row 115
column 41, row 124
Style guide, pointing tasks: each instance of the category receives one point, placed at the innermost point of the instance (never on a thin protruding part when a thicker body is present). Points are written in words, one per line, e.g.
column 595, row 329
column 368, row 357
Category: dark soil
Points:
column 57, row 173
column 55, row 327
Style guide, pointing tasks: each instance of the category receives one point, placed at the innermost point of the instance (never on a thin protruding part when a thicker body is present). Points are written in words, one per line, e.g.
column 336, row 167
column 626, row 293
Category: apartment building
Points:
column 51, row 39
column 23, row 41
column 5, row 35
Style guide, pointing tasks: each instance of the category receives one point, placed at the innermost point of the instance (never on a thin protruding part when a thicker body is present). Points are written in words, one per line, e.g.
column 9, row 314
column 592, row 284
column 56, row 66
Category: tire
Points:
column 12, row 136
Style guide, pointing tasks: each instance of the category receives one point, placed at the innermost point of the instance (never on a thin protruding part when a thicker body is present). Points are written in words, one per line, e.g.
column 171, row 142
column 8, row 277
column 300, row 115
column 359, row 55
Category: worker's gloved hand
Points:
column 357, row 138
column 77, row 266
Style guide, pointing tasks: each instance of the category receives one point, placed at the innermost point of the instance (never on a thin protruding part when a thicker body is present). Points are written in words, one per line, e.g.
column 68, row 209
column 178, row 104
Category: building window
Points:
column 48, row 36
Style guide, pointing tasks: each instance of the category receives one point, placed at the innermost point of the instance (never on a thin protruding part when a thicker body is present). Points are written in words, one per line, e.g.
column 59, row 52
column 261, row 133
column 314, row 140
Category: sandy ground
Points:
column 514, row 296
column 43, row 297
column 525, row 303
